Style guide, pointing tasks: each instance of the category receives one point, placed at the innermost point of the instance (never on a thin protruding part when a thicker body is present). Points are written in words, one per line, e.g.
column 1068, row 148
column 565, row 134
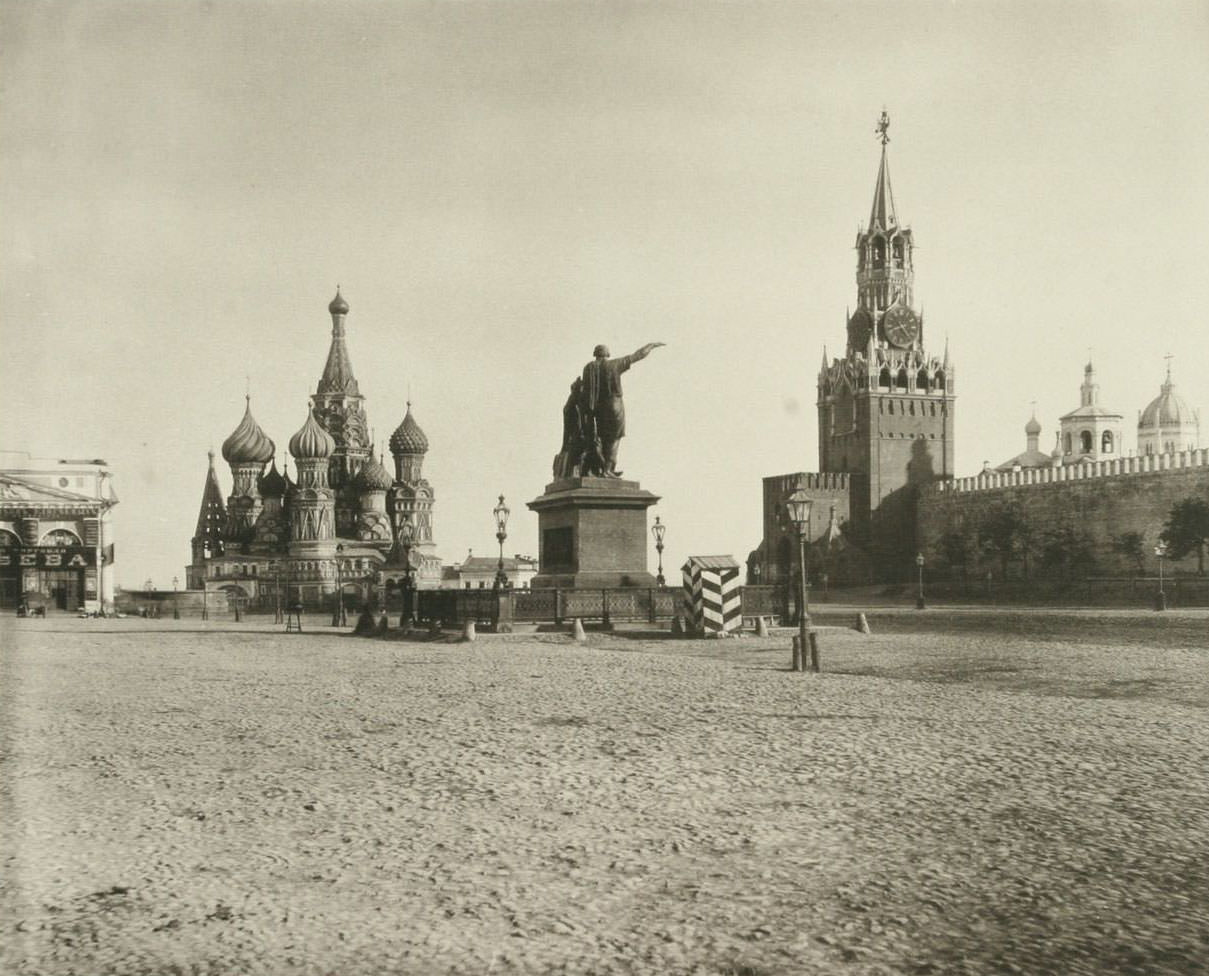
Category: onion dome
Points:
column 312, row 442
column 1033, row 428
column 272, row 484
column 1168, row 409
column 373, row 476
column 338, row 305
column 248, row 444
column 408, row 438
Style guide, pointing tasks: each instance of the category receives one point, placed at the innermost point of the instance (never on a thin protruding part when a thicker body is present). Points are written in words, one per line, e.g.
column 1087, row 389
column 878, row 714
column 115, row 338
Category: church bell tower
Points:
column 885, row 408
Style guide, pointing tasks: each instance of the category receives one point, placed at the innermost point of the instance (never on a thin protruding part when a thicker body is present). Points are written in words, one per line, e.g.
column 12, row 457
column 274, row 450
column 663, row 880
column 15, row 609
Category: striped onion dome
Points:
column 408, row 438
column 373, row 476
column 248, row 443
column 312, row 442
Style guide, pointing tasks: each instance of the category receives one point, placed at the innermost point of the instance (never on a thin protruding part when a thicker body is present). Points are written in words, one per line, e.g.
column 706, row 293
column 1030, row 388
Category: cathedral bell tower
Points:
column 340, row 409
column 886, row 407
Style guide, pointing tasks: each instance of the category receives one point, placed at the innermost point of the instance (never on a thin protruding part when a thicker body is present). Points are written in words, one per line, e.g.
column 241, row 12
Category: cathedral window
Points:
column 902, row 379
column 1085, row 441
column 1106, row 442
column 898, row 252
column 879, row 253
column 921, row 381
column 883, row 378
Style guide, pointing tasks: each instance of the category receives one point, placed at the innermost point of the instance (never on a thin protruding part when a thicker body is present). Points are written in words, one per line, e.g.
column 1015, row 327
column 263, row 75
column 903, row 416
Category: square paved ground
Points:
column 967, row 797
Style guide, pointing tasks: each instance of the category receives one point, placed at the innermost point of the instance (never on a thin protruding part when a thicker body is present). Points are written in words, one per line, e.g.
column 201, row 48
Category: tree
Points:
column 1003, row 533
column 1187, row 530
column 1067, row 550
column 1131, row 545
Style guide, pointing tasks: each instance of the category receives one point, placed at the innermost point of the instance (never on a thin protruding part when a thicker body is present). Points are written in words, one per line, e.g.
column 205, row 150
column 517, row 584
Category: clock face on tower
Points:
column 900, row 326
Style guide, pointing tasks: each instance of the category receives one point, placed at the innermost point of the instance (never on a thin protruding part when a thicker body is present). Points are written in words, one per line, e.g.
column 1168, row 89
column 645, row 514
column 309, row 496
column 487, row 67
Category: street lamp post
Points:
column 799, row 505
column 919, row 563
column 338, row 617
column 176, row 607
column 657, row 531
column 406, row 534
column 501, row 514
column 205, row 601
column 1160, row 600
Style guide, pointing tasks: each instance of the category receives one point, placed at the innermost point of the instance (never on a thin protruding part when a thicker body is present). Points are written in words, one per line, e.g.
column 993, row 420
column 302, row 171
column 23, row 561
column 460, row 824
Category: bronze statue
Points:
column 602, row 410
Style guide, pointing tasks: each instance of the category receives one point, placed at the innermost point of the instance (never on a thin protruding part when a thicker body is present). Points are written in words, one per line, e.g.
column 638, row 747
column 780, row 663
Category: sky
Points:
column 499, row 187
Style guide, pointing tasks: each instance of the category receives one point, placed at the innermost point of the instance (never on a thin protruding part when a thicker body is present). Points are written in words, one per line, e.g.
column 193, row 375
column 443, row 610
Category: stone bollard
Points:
column 677, row 626
column 862, row 624
column 468, row 631
column 795, row 662
column 761, row 627
column 577, row 631
column 814, row 653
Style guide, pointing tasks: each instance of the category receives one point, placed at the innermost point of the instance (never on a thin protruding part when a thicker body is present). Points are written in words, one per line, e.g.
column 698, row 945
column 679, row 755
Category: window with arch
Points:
column 939, row 382
column 879, row 253
column 921, row 380
column 1085, row 441
column 8, row 539
column 901, row 379
column 883, row 378
column 60, row 537
column 897, row 252
column 890, row 408
column 1106, row 442
column 1066, row 444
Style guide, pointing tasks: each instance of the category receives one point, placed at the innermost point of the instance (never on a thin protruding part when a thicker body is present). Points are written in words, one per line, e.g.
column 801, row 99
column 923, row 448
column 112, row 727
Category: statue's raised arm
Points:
column 603, row 404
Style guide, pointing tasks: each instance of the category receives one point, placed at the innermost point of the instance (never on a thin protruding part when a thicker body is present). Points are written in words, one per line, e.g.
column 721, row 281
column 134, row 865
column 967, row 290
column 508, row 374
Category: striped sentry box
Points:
column 713, row 594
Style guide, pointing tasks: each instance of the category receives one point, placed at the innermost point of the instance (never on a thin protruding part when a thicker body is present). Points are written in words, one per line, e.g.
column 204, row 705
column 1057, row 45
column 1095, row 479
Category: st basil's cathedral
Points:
column 279, row 537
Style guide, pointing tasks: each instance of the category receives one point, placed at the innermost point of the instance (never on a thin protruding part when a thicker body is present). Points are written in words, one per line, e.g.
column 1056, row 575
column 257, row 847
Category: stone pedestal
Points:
column 592, row 533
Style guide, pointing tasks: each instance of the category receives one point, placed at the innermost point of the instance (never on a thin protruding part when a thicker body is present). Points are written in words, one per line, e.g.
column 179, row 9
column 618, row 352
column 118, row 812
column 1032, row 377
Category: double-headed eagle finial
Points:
column 883, row 125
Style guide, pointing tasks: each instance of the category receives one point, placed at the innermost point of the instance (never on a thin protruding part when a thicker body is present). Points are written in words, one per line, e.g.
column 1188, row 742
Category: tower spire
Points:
column 883, row 213
column 338, row 370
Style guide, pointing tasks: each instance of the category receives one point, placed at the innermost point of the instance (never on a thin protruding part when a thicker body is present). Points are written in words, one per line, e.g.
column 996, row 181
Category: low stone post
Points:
column 761, row 626
column 468, row 631
column 814, row 652
column 605, row 624
column 795, row 662
column 862, row 624
column 503, row 611
column 577, row 631
column 558, row 607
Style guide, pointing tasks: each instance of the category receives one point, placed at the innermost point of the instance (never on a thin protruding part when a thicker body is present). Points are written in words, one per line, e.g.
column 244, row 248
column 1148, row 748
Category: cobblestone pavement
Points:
column 245, row 802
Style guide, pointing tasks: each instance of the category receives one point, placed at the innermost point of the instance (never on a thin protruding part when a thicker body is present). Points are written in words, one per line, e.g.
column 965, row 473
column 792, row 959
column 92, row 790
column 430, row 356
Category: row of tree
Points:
column 1005, row 534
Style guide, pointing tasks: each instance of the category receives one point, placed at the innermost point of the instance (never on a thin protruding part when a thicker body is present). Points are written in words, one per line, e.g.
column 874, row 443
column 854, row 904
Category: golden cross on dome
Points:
column 883, row 124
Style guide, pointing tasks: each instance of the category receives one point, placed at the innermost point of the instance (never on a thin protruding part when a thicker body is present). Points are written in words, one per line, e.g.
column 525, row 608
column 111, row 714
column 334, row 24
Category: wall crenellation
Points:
column 1140, row 464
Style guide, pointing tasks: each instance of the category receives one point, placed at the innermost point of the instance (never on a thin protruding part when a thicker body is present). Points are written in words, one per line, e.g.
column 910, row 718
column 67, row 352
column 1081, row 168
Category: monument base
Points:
column 592, row 533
